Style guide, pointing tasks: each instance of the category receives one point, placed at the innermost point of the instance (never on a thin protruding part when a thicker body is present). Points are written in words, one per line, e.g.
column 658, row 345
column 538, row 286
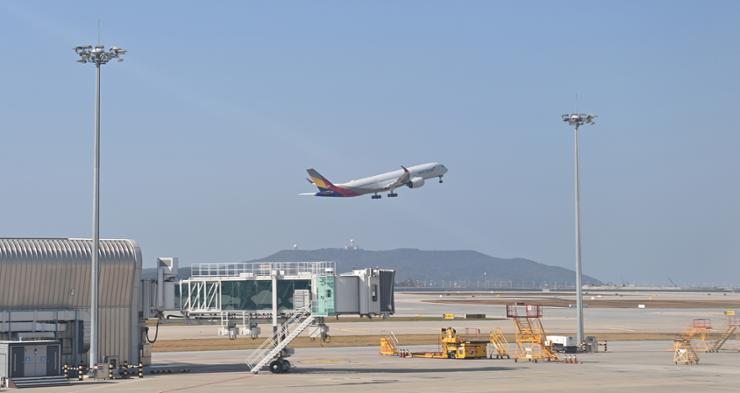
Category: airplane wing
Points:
column 402, row 180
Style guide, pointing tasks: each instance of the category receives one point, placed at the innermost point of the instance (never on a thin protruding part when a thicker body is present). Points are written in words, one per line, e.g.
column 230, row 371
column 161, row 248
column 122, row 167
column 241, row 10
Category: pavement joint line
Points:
column 206, row 384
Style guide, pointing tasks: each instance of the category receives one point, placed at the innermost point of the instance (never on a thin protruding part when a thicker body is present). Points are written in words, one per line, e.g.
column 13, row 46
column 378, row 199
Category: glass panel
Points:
column 256, row 295
column 181, row 295
column 286, row 289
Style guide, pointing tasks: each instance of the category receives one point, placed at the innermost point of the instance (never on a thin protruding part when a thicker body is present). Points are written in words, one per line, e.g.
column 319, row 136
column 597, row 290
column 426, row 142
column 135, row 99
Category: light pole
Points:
column 98, row 56
column 577, row 120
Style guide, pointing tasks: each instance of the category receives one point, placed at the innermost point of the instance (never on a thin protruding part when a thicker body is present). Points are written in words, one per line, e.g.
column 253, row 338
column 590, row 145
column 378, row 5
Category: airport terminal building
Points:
column 45, row 297
column 45, row 302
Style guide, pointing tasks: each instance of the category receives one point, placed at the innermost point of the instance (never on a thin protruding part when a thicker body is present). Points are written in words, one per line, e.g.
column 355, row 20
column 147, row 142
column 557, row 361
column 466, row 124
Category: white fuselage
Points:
column 382, row 182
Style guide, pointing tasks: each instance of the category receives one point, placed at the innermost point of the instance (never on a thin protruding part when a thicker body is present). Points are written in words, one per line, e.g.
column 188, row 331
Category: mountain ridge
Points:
column 433, row 268
column 415, row 266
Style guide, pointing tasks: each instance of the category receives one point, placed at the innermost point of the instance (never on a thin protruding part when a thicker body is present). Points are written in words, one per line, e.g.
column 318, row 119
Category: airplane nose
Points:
column 444, row 169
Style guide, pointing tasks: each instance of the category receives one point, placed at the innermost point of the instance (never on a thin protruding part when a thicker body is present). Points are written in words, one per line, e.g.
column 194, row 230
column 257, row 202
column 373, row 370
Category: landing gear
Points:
column 440, row 179
column 376, row 196
column 392, row 195
column 279, row 366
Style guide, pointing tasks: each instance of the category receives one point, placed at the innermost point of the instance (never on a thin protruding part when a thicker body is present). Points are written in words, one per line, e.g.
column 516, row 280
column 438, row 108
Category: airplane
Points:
column 412, row 177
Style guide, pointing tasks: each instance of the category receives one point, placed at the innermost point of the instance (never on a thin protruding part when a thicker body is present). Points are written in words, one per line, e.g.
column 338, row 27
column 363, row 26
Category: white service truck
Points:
column 567, row 344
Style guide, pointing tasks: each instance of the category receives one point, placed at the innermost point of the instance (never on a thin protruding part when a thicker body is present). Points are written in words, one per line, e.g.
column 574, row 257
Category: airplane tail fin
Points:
column 319, row 181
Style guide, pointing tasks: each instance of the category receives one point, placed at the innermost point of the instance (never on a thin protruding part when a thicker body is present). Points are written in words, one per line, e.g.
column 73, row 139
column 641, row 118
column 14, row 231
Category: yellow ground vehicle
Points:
column 451, row 346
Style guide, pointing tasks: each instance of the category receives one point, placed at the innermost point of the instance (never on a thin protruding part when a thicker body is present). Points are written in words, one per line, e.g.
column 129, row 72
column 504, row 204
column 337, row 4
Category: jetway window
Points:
column 246, row 295
column 181, row 291
column 257, row 294
column 375, row 292
column 286, row 290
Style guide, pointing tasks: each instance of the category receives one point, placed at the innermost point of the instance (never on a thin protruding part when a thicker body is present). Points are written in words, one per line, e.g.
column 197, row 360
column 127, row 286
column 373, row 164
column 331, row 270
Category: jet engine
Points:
column 415, row 182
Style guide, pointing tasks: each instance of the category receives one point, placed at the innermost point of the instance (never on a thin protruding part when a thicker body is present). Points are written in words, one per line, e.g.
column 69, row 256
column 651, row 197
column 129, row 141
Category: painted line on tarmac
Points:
column 623, row 329
column 351, row 330
column 200, row 385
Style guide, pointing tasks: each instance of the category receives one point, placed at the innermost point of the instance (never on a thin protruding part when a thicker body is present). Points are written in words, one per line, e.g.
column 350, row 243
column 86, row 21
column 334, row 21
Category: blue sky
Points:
column 219, row 107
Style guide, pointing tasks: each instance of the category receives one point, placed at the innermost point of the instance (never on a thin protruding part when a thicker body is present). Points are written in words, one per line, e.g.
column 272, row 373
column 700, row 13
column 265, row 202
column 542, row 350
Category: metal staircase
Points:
column 717, row 344
column 272, row 348
column 389, row 345
column 530, row 334
column 34, row 382
column 500, row 345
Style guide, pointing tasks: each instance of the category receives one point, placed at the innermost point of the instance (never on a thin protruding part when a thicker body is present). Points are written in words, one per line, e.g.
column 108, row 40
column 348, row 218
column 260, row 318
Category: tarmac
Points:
column 629, row 366
column 557, row 320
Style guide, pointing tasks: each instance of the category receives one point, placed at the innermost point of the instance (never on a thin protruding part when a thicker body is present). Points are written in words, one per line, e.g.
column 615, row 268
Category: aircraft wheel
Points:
column 276, row 366
column 285, row 364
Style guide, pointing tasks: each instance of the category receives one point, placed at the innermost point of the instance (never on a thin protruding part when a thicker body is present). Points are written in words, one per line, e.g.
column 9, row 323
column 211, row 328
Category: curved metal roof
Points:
column 55, row 273
column 46, row 249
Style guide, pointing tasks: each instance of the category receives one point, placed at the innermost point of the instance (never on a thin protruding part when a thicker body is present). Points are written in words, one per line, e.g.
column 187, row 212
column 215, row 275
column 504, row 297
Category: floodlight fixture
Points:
column 579, row 119
column 98, row 55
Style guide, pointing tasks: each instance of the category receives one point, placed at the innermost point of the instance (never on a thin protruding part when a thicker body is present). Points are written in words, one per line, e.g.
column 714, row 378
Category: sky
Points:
column 219, row 107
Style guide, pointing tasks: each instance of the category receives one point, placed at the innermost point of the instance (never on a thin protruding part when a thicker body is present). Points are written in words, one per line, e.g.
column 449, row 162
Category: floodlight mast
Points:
column 577, row 120
column 98, row 56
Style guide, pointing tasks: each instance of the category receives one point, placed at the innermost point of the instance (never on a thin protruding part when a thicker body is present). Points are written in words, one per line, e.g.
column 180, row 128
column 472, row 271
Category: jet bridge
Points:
column 291, row 296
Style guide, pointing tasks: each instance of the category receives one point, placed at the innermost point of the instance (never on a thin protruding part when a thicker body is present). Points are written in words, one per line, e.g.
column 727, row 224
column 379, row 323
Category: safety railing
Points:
column 256, row 269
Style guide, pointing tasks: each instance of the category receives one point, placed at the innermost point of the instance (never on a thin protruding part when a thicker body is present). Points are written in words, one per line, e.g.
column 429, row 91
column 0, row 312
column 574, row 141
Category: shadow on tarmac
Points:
column 180, row 368
column 410, row 370
column 240, row 367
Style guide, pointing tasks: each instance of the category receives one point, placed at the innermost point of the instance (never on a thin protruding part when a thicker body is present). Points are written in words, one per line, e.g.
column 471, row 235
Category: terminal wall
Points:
column 54, row 274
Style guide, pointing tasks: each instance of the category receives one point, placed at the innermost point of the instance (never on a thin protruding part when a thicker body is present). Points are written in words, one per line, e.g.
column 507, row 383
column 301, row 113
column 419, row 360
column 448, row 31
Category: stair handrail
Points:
column 264, row 350
column 283, row 343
